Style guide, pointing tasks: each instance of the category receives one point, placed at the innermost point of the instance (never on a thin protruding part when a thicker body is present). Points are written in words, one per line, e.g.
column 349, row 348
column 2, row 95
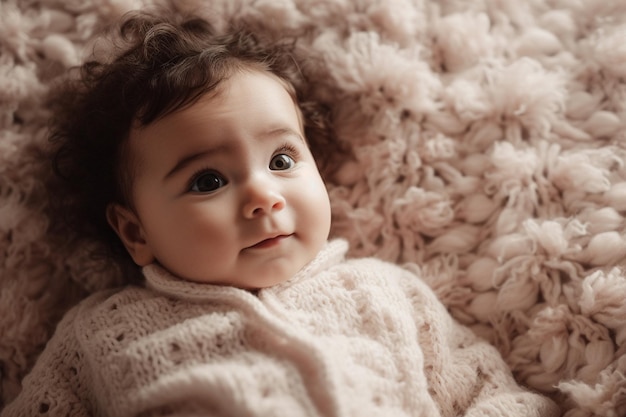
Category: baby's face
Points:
column 226, row 191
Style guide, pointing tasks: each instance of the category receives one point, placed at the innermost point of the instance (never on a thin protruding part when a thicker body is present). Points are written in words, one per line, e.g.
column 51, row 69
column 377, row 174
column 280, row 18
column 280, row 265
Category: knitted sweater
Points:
column 341, row 338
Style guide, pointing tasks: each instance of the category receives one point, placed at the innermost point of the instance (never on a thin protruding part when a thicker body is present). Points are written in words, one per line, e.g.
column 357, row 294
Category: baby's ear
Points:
column 128, row 227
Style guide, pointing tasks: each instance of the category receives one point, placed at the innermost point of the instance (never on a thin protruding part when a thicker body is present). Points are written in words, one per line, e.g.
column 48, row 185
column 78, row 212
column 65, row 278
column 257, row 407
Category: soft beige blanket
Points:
column 488, row 152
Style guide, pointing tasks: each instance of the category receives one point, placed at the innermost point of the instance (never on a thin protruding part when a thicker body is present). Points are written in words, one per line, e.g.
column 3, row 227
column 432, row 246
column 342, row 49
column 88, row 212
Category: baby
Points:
column 191, row 150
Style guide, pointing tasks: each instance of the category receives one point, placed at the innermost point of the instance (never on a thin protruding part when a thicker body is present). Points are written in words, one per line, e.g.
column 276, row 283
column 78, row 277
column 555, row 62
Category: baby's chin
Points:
column 251, row 281
column 254, row 269
column 260, row 283
column 273, row 278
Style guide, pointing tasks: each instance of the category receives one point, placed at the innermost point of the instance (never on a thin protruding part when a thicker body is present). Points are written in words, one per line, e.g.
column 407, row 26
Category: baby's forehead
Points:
column 239, row 93
column 256, row 102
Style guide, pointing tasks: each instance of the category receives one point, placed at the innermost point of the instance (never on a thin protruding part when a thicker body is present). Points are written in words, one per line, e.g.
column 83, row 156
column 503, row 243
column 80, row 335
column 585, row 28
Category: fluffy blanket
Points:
column 487, row 152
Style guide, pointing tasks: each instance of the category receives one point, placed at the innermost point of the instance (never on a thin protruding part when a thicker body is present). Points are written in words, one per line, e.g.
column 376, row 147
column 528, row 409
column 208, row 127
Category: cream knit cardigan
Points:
column 341, row 338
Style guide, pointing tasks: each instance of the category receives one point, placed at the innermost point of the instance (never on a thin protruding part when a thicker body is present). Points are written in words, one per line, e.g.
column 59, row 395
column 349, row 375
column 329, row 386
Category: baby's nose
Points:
column 262, row 197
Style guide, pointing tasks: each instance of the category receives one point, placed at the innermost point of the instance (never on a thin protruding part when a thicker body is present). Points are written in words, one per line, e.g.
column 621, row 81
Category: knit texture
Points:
column 487, row 154
column 353, row 338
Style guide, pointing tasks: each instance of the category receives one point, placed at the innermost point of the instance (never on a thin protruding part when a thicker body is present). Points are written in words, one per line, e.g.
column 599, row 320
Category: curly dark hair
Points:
column 164, row 63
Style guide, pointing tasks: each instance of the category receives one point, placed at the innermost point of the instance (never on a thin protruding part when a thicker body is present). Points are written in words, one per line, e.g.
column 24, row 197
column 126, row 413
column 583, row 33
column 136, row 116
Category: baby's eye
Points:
column 281, row 162
column 207, row 182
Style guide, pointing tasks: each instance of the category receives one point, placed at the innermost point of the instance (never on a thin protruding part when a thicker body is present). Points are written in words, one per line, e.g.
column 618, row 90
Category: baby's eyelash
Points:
column 288, row 149
column 199, row 172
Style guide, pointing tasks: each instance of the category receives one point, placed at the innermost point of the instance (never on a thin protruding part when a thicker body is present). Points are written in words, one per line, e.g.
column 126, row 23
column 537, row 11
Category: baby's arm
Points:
column 466, row 375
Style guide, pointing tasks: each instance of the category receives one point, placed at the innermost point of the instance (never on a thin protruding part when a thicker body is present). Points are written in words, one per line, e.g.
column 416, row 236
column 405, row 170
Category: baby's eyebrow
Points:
column 189, row 159
column 283, row 131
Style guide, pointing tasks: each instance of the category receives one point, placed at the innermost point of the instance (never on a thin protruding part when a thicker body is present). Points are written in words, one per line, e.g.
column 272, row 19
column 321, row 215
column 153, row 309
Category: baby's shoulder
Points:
column 385, row 274
column 111, row 322
column 110, row 302
column 373, row 267
column 137, row 306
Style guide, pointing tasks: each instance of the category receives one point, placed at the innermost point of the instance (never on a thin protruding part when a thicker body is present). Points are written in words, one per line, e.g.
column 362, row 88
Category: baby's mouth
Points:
column 270, row 242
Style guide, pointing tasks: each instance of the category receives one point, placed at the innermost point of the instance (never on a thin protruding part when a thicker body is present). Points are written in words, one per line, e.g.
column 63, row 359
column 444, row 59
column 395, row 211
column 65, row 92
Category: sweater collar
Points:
column 162, row 281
